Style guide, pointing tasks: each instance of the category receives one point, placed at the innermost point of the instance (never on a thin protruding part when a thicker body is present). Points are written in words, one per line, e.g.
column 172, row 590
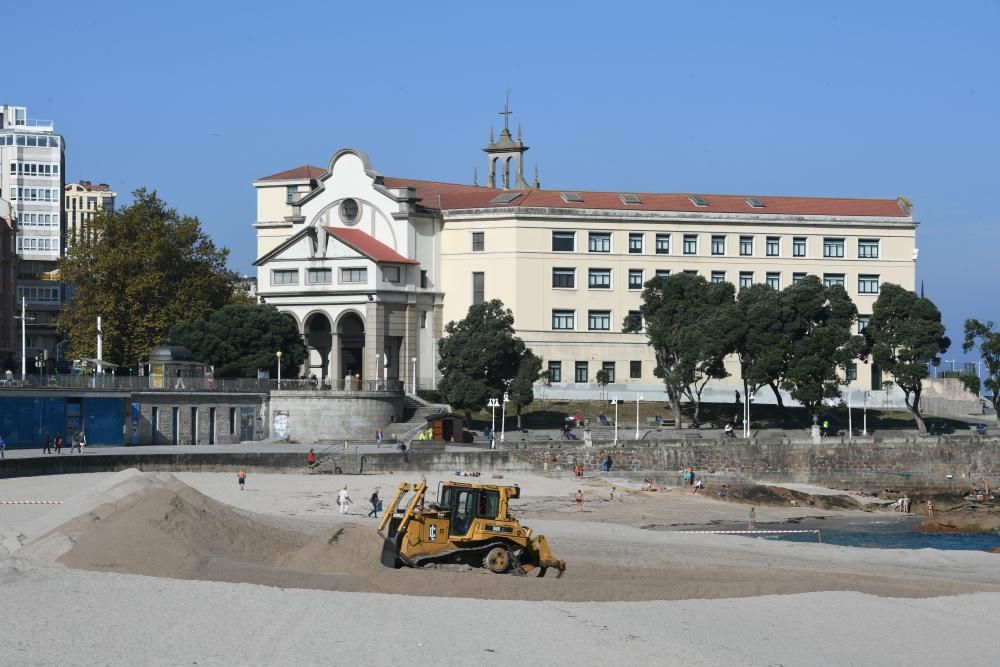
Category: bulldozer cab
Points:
column 464, row 504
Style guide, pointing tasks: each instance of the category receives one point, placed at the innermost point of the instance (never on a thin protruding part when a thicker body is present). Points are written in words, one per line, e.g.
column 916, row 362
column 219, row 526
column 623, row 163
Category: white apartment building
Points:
column 413, row 255
column 32, row 174
column 82, row 200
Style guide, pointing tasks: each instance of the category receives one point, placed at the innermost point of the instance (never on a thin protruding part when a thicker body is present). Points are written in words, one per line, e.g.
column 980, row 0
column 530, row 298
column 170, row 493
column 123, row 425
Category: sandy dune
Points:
column 160, row 568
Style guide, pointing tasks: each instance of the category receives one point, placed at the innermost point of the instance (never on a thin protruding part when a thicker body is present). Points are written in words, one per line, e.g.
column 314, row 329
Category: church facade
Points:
column 371, row 267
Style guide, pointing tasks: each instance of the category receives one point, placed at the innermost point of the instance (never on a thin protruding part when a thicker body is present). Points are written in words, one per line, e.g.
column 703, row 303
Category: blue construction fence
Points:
column 25, row 422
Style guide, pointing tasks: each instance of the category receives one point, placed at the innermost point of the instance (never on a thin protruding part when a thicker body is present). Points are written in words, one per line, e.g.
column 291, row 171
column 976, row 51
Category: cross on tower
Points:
column 506, row 111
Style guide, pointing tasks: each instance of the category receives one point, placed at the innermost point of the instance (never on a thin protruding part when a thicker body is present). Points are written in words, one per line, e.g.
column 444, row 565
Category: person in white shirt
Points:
column 343, row 500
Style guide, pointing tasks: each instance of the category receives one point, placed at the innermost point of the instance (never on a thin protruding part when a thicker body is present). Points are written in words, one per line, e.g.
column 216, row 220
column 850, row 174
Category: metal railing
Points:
column 133, row 383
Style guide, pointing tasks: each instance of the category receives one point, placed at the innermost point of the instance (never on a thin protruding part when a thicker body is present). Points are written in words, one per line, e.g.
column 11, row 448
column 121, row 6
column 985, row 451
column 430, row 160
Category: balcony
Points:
column 40, row 125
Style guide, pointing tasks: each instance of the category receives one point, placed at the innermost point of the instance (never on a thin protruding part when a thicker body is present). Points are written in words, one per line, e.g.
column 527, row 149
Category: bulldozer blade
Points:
column 390, row 555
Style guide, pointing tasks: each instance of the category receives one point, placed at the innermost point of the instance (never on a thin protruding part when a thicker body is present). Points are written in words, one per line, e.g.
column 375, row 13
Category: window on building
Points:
column 635, row 243
column 663, row 244
column 599, row 279
column 746, row 246
column 609, row 369
column 635, row 370
column 635, row 279
column 718, row 276
column 354, row 275
column 564, row 277
column 852, row 372
column 833, row 247
column 662, row 273
column 319, row 276
column 390, row 274
column 799, row 246
column 599, row 242
column 423, row 319
column 718, row 245
column 863, row 321
column 555, row 371
column 291, row 193
column 563, row 320
column 868, row 248
column 746, row 279
column 478, row 241
column 690, row 244
column 285, row 277
column 599, row 320
column 423, row 279
column 563, row 241
column 797, row 278
column 581, row 372
column 773, row 280
column 478, row 288
column 831, row 279
column 867, row 284
column 635, row 318
column 773, row 247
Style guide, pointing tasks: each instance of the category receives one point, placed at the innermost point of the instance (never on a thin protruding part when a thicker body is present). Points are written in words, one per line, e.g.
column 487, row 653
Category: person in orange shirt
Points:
column 242, row 477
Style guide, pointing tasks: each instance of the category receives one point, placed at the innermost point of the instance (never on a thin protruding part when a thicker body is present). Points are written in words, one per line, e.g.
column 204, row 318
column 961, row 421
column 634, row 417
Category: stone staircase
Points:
column 415, row 413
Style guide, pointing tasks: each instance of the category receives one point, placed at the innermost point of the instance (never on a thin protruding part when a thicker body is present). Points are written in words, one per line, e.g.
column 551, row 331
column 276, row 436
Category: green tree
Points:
column 818, row 340
column 603, row 379
column 987, row 338
column 146, row 268
column 762, row 344
column 522, row 388
column 691, row 325
column 906, row 335
column 240, row 339
column 478, row 356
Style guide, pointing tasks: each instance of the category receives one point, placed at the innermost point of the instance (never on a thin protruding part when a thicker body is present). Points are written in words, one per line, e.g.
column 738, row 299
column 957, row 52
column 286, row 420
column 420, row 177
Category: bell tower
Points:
column 506, row 154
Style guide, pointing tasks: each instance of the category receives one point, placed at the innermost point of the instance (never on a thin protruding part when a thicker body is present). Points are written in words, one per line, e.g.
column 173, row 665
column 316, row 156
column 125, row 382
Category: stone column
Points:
column 333, row 372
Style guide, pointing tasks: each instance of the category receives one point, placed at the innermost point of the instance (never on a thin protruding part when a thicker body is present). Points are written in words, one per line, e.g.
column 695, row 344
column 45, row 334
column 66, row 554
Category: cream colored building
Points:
column 569, row 264
column 81, row 202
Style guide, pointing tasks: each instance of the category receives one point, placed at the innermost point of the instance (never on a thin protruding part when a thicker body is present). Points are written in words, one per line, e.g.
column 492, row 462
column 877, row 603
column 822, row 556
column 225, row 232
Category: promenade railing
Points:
column 133, row 383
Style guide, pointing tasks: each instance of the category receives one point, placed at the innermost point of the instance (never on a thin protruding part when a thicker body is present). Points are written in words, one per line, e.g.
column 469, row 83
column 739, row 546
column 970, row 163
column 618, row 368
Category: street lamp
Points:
column 414, row 389
column 493, row 404
column 503, row 417
column 637, row 399
column 279, row 370
column 24, row 337
column 615, row 402
column 864, row 428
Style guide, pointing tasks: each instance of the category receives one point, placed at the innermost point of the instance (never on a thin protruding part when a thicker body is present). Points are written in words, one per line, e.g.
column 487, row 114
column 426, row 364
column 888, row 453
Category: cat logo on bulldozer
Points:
column 433, row 531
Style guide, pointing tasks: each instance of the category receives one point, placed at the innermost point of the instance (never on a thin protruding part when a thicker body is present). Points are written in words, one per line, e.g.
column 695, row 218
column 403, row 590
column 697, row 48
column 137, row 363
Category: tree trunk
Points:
column 914, row 408
column 468, row 418
column 675, row 405
column 519, row 418
column 777, row 397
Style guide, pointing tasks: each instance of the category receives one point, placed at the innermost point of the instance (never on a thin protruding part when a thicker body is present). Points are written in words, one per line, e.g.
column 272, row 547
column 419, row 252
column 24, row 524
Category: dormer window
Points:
column 700, row 202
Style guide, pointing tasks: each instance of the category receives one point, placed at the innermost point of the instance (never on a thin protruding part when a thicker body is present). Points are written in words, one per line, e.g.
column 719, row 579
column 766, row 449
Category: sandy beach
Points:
column 138, row 568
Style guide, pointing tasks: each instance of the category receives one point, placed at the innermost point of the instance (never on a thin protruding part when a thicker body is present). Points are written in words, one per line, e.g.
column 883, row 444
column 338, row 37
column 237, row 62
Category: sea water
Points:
column 887, row 535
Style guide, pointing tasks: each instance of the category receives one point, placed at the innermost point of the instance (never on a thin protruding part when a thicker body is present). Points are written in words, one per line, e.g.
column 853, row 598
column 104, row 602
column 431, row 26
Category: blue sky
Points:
column 826, row 99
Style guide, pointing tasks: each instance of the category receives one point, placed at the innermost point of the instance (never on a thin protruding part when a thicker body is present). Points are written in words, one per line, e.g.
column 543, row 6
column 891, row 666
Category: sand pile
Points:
column 165, row 528
column 758, row 494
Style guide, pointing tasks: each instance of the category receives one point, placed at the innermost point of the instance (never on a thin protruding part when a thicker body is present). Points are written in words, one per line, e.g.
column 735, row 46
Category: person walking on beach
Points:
column 59, row 443
column 378, row 437
column 48, row 444
column 752, row 522
column 83, row 442
column 74, row 442
column 343, row 500
column 376, row 504
column 311, row 458
column 579, row 500
column 242, row 477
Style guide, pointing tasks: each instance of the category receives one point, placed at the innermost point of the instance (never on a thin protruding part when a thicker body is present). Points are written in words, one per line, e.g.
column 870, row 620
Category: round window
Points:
column 350, row 211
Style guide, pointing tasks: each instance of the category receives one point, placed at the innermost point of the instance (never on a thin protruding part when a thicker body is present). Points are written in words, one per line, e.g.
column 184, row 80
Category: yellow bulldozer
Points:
column 468, row 524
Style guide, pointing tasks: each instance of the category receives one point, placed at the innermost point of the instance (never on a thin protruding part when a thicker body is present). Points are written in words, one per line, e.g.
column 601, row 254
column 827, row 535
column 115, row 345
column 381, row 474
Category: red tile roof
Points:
column 306, row 171
column 454, row 196
column 368, row 246
column 444, row 196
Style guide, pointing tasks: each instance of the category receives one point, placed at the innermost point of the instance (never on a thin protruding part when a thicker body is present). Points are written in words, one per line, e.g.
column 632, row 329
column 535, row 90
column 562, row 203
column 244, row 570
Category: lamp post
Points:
column 493, row 404
column 414, row 389
column 615, row 402
column 637, row 399
column 864, row 428
column 850, row 426
column 503, row 417
column 279, row 370
column 24, row 337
